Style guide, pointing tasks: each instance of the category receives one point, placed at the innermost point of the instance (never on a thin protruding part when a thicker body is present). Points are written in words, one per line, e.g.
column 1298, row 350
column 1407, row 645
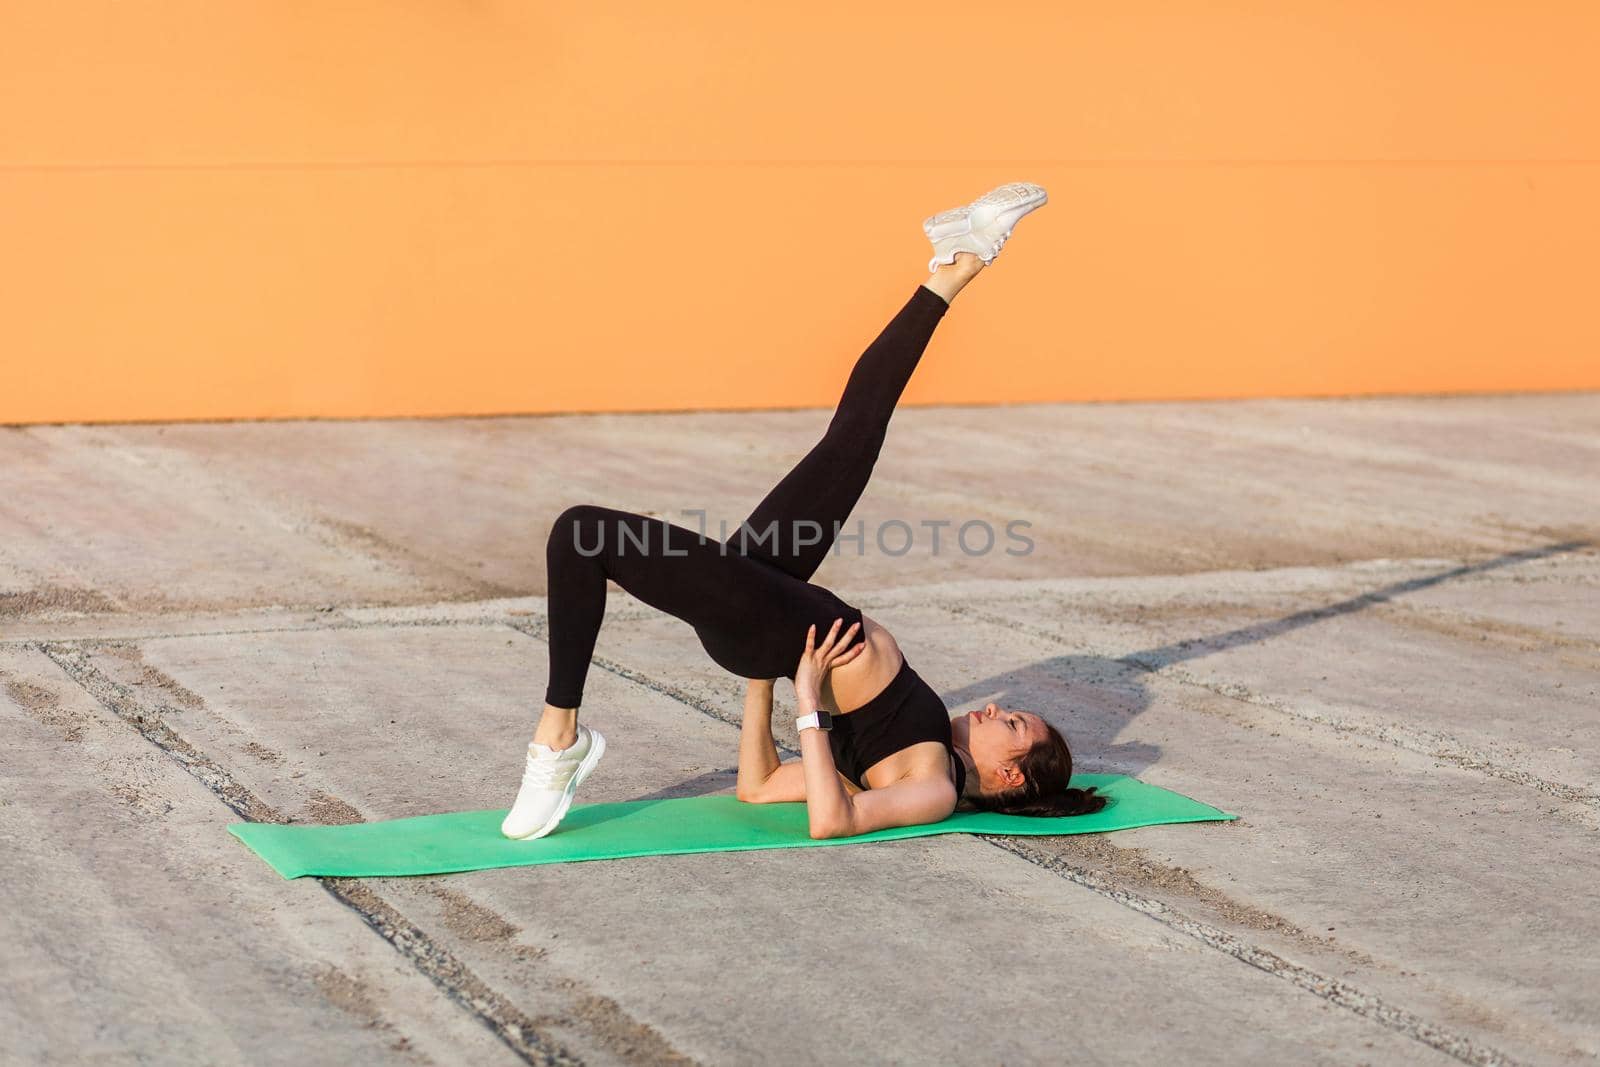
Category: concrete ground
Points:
column 1371, row 628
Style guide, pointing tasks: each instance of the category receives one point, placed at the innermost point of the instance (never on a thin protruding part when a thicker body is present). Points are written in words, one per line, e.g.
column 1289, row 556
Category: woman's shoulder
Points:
column 920, row 761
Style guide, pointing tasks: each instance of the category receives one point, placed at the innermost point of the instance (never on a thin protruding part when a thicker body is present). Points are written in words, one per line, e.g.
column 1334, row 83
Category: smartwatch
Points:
column 817, row 720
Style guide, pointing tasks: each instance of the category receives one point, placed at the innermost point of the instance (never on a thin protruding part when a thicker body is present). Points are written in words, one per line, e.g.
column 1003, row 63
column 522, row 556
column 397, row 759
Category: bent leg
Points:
column 673, row 569
column 795, row 525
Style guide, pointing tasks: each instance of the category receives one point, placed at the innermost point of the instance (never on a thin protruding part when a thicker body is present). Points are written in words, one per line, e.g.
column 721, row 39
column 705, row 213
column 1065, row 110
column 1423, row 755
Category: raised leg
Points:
column 794, row 527
column 713, row 589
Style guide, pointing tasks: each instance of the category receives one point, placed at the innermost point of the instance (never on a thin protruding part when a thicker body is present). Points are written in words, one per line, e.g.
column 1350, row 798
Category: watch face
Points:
column 824, row 720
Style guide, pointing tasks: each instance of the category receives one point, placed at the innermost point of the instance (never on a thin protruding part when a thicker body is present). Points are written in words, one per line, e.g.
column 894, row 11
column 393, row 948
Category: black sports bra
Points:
column 906, row 712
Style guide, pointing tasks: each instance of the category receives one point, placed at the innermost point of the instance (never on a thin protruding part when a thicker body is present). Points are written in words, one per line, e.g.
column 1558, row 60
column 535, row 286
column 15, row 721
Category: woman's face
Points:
column 996, row 739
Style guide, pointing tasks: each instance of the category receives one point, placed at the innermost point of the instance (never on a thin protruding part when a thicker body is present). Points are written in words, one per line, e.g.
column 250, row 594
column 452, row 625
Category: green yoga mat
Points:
column 471, row 840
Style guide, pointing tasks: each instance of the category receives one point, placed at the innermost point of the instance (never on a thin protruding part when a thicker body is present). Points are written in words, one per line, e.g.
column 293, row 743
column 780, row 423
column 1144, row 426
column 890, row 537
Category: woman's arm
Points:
column 833, row 811
column 762, row 779
column 758, row 753
column 827, row 800
column 901, row 804
column 757, row 749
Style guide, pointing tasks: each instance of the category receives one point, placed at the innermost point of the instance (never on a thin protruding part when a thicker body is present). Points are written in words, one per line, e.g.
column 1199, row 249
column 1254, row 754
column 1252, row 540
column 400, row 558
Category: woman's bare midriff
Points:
column 851, row 686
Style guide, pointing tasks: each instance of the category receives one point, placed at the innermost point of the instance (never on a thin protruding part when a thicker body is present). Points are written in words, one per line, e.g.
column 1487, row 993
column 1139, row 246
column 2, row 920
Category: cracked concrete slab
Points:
column 398, row 730
column 1407, row 857
column 1367, row 626
column 134, row 930
column 197, row 516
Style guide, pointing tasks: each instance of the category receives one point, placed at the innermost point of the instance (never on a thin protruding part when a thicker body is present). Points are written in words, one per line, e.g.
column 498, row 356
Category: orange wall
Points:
column 377, row 208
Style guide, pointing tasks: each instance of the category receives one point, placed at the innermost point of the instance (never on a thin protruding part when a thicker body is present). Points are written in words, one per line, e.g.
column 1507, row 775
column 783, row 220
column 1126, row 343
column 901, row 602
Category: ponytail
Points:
column 1066, row 802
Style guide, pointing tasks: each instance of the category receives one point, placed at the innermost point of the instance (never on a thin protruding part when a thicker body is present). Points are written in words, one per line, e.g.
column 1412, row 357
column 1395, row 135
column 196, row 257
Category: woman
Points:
column 877, row 745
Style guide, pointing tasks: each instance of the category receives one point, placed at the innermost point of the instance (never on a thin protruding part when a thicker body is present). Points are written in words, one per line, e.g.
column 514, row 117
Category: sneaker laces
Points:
column 548, row 772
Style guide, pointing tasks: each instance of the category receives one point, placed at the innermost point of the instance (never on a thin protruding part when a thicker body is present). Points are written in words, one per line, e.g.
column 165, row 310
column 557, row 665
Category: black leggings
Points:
column 749, row 599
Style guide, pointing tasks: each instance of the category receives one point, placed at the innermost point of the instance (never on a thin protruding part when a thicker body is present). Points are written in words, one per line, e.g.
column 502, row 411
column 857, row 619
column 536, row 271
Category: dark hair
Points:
column 1046, row 769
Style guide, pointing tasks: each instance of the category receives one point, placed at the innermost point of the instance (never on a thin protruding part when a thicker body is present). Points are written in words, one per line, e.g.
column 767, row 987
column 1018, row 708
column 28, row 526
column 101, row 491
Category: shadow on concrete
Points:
column 700, row 785
column 1115, row 689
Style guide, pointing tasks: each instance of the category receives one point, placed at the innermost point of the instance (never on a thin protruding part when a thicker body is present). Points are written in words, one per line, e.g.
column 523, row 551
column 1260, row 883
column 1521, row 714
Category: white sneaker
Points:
column 548, row 781
column 982, row 226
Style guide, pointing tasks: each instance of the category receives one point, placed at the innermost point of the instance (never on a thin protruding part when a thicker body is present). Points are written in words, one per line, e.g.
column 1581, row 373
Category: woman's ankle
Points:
column 558, row 728
column 948, row 279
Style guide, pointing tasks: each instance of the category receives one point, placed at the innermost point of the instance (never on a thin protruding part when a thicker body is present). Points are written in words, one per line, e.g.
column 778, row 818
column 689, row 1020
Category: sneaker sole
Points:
column 596, row 750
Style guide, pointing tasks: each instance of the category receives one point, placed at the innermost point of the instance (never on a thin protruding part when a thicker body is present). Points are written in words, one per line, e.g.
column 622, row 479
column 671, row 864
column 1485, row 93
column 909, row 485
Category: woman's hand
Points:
column 818, row 660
